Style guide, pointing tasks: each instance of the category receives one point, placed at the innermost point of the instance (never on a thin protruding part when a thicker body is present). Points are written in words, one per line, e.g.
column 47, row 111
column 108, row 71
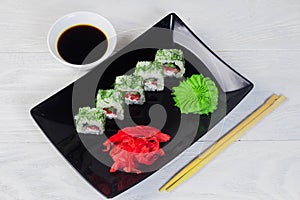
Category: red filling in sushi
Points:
column 92, row 128
column 171, row 68
column 150, row 84
column 133, row 96
column 110, row 112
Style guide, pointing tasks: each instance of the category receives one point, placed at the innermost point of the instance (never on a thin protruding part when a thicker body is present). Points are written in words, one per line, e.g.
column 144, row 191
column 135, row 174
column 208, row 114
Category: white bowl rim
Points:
column 89, row 65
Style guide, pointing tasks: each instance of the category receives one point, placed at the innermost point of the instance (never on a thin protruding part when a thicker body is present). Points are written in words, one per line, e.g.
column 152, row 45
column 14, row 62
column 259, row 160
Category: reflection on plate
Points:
column 85, row 152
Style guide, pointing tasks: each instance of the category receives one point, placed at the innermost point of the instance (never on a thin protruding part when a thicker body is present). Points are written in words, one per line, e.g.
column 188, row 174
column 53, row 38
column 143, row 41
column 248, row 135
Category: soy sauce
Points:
column 82, row 44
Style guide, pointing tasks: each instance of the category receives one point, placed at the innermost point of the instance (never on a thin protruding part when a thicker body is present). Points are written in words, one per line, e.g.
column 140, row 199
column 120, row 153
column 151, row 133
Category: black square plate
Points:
column 84, row 152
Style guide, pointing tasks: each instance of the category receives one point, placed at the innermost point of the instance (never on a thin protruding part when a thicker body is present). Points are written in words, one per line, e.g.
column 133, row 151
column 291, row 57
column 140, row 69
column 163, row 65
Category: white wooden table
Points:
column 260, row 39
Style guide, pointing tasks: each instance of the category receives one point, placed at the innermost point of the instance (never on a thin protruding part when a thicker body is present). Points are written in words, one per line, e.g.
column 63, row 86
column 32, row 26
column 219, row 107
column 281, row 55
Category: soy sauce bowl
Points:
column 81, row 18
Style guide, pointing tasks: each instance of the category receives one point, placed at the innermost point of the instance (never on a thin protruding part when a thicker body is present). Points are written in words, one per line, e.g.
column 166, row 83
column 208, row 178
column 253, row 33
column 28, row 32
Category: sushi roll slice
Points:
column 111, row 101
column 132, row 88
column 172, row 61
column 90, row 121
column 152, row 73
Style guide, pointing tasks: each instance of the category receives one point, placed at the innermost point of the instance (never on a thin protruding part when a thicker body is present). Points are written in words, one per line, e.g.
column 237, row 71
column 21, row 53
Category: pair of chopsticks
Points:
column 273, row 102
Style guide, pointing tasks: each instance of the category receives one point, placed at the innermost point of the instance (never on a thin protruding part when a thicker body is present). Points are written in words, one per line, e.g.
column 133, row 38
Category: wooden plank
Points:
column 229, row 25
column 260, row 39
column 34, row 171
column 246, row 170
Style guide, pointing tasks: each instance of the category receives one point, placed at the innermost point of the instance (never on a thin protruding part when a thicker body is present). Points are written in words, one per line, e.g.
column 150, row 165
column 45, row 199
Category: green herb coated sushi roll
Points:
column 132, row 88
column 90, row 121
column 111, row 101
column 172, row 61
column 152, row 73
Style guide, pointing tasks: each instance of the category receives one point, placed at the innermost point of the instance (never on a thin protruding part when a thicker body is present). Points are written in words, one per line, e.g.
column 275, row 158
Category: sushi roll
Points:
column 111, row 101
column 152, row 73
column 132, row 88
column 90, row 121
column 172, row 61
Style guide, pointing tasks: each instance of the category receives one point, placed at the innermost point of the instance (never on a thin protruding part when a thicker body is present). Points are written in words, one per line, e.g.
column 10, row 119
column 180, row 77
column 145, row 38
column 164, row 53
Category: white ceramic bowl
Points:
column 78, row 18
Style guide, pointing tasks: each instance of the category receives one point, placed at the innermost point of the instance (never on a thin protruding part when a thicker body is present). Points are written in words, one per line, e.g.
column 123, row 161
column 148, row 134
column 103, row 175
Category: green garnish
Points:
column 197, row 94
column 90, row 114
column 129, row 82
column 172, row 65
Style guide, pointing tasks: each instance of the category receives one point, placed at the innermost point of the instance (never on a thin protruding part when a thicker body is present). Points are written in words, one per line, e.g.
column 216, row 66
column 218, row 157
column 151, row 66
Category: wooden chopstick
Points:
column 192, row 164
column 225, row 141
column 270, row 101
column 226, row 144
